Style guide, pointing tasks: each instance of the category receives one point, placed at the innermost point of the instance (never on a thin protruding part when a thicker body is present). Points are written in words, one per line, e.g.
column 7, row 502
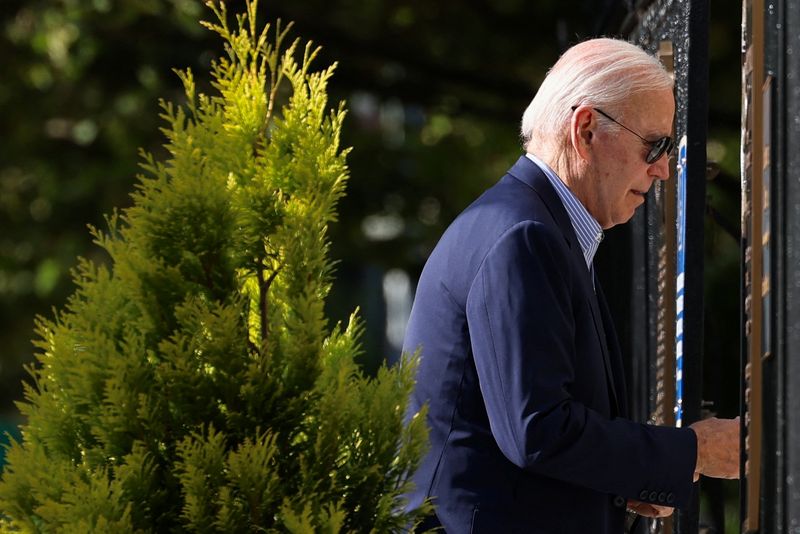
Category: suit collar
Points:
column 531, row 175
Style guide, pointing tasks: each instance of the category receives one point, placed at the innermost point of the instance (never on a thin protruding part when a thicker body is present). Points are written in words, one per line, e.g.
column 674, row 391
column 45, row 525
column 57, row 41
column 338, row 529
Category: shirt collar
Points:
column 587, row 229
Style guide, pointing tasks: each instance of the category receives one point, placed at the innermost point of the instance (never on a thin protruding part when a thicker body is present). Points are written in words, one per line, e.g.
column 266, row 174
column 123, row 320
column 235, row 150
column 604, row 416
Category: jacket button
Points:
column 670, row 498
column 619, row 501
column 643, row 495
column 653, row 496
column 662, row 497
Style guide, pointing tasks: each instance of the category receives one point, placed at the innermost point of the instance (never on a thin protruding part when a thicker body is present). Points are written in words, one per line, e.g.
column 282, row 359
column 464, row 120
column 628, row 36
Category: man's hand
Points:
column 717, row 447
column 649, row 510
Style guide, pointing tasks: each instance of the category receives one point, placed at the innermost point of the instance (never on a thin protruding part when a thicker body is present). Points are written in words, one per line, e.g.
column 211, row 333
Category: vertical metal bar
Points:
column 666, row 192
column 696, row 131
column 773, row 512
column 753, row 228
column 790, row 332
column 765, row 241
column 665, row 328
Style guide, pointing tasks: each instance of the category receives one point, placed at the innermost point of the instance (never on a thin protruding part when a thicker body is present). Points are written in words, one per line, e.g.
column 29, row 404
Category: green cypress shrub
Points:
column 192, row 383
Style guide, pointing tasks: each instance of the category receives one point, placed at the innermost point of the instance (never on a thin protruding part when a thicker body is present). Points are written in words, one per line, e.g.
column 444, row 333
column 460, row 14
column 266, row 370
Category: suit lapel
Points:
column 598, row 318
column 615, row 352
column 529, row 173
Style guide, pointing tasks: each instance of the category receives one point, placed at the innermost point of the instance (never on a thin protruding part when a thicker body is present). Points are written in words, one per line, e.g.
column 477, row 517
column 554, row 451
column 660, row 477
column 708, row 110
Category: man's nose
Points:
column 660, row 168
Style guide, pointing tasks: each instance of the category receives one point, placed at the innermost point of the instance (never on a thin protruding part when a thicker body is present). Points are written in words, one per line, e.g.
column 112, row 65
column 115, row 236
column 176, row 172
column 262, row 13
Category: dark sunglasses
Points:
column 658, row 147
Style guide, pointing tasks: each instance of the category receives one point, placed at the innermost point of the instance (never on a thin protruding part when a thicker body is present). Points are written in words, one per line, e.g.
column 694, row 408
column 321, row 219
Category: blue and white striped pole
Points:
column 680, row 277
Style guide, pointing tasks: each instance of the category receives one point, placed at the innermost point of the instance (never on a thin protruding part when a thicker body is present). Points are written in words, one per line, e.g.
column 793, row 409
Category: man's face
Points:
column 619, row 175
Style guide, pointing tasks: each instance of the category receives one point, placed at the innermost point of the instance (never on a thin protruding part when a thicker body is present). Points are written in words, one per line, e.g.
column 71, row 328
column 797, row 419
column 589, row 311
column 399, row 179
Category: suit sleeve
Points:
column 520, row 312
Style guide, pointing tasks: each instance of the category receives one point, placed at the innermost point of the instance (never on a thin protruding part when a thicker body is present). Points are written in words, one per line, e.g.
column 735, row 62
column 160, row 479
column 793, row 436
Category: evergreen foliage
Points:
column 193, row 384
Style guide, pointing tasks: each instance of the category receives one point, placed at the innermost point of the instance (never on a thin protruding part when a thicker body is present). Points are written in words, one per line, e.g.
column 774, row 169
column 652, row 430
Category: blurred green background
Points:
column 435, row 92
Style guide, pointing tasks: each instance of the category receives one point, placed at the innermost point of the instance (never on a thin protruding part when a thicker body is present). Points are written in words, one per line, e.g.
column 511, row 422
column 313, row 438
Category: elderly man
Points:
column 520, row 365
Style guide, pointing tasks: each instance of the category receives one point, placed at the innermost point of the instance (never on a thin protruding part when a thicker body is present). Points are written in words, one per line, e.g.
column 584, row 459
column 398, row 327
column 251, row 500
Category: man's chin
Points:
column 622, row 219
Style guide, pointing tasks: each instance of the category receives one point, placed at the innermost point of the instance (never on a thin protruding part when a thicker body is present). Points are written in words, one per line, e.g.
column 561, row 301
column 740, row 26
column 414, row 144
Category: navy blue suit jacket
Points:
column 521, row 370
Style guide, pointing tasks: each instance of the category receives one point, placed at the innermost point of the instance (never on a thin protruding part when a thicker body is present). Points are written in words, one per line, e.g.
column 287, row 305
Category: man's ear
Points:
column 582, row 127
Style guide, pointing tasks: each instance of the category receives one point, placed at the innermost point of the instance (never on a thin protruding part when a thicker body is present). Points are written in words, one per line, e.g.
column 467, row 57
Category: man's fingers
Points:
column 717, row 447
column 663, row 511
column 649, row 510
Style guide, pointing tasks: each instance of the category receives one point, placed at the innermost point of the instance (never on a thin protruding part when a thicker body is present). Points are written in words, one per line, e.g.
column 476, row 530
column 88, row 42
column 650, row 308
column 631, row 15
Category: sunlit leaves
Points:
column 192, row 382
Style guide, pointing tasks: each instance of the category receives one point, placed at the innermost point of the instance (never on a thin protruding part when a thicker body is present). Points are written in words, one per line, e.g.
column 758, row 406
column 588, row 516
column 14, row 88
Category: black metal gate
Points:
column 771, row 266
column 662, row 322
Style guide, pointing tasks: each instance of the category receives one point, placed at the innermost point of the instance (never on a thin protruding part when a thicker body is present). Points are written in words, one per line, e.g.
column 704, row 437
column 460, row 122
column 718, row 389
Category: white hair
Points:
column 600, row 72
